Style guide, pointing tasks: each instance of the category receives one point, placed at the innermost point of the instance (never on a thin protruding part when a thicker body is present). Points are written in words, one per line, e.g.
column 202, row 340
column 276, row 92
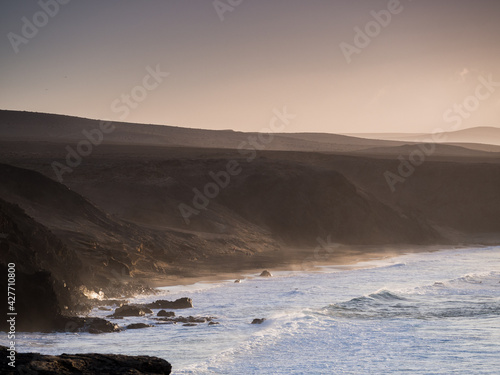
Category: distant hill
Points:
column 15, row 125
column 440, row 150
column 486, row 135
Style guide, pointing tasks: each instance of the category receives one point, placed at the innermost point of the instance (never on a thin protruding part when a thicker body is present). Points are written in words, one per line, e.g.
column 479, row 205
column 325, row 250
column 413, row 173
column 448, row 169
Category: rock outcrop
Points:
column 46, row 271
column 258, row 321
column 138, row 326
column 91, row 325
column 165, row 313
column 181, row 303
column 131, row 310
column 33, row 363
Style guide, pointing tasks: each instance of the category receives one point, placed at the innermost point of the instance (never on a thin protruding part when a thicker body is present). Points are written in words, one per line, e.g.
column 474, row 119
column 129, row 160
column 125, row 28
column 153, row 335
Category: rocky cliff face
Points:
column 67, row 247
column 116, row 220
column 299, row 204
column 47, row 277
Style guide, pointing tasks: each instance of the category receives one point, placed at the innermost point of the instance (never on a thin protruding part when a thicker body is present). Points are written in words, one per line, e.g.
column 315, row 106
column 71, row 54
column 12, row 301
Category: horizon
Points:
column 242, row 131
column 343, row 68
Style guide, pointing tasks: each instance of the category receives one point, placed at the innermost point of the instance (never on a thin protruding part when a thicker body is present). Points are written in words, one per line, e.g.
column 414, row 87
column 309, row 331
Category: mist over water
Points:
column 422, row 313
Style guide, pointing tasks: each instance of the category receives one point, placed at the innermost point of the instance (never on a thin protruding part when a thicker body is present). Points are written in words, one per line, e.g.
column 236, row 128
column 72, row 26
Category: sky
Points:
column 339, row 66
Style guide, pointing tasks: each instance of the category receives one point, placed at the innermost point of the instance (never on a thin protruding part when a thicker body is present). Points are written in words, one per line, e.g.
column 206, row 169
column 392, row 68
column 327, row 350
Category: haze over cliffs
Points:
column 152, row 201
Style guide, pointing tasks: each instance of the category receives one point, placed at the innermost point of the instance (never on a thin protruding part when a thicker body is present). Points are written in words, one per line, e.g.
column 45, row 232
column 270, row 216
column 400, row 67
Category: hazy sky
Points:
column 264, row 54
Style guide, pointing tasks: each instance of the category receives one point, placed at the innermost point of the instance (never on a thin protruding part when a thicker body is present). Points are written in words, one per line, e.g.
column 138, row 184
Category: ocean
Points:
column 420, row 313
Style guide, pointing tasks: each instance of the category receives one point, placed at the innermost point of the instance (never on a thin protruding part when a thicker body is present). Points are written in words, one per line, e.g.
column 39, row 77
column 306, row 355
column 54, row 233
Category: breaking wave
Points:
column 471, row 295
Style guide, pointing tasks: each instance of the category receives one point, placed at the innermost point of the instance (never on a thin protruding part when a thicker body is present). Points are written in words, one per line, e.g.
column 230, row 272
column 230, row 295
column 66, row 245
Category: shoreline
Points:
column 385, row 258
column 347, row 256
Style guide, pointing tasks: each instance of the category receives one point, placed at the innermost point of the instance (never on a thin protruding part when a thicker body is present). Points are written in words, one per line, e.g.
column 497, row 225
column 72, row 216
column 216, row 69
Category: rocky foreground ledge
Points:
column 37, row 364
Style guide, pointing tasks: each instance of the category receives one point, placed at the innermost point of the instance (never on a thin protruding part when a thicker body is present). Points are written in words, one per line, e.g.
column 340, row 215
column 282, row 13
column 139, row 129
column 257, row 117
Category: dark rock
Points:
column 189, row 319
column 213, row 323
column 45, row 268
column 258, row 321
column 266, row 273
column 131, row 310
column 97, row 325
column 181, row 303
column 192, row 319
column 166, row 313
column 189, row 324
column 33, row 363
column 104, row 308
column 237, row 281
column 91, row 325
column 138, row 326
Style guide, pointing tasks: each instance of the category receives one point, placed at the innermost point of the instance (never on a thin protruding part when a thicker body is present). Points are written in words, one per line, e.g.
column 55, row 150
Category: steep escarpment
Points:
column 54, row 273
column 124, row 243
column 47, row 273
column 300, row 204
column 266, row 200
column 459, row 197
column 101, row 245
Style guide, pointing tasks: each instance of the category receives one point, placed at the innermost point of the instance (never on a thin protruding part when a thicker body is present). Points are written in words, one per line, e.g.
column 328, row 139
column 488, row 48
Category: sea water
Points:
column 420, row 313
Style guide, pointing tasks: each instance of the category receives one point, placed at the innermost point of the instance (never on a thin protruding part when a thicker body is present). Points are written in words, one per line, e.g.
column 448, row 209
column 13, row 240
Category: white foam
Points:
column 446, row 315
